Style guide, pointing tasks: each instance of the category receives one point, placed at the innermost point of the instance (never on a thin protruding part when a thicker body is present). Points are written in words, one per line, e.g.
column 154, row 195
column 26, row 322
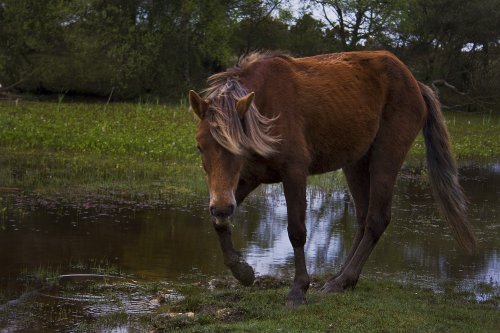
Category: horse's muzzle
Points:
column 222, row 212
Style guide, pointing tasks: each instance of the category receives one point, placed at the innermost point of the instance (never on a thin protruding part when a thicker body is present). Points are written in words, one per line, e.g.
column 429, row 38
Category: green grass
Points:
column 379, row 306
column 474, row 137
column 148, row 149
column 153, row 132
column 93, row 148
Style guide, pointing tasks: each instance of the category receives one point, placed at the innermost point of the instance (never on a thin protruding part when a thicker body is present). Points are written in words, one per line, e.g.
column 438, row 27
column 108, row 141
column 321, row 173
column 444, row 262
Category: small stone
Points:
column 172, row 315
column 223, row 313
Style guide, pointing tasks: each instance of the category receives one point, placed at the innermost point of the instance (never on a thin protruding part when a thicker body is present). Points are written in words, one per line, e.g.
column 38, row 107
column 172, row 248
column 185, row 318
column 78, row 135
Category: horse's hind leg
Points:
column 385, row 159
column 376, row 220
column 358, row 179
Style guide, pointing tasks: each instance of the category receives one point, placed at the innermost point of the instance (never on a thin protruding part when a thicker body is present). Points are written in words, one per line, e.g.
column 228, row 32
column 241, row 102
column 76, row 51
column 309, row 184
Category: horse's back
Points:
column 331, row 106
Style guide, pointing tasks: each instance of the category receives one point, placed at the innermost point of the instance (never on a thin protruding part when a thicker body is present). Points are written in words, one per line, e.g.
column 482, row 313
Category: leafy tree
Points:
column 28, row 30
column 133, row 48
column 356, row 22
column 268, row 33
column 256, row 28
column 308, row 36
column 453, row 40
column 192, row 40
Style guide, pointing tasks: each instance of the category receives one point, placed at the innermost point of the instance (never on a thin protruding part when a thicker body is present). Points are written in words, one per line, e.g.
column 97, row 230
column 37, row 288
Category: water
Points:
column 417, row 247
column 170, row 242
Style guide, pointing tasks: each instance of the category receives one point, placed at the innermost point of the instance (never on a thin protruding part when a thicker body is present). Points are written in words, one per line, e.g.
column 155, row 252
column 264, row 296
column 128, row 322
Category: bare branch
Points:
column 325, row 15
column 479, row 101
column 448, row 85
column 12, row 86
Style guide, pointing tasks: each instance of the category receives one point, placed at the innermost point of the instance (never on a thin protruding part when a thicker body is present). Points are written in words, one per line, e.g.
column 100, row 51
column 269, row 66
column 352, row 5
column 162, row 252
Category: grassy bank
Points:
column 378, row 306
column 49, row 148
column 126, row 149
column 474, row 137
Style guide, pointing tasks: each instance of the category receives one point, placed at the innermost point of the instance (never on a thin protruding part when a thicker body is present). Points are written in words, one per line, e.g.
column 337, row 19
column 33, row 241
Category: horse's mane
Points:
column 239, row 136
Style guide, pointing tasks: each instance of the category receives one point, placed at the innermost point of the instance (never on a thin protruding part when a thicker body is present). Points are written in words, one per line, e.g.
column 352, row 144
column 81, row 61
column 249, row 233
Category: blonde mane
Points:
column 239, row 136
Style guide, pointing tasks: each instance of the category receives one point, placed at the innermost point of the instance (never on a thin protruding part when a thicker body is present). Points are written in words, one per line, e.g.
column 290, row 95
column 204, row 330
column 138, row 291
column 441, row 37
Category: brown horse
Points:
column 274, row 118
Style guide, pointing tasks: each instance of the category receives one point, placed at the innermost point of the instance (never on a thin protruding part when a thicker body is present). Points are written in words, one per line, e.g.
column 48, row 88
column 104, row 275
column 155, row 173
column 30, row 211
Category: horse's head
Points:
column 219, row 141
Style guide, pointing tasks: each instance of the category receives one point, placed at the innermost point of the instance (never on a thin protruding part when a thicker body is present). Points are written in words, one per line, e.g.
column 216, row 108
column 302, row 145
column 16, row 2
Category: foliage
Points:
column 307, row 37
column 95, row 47
column 457, row 41
column 136, row 48
column 361, row 22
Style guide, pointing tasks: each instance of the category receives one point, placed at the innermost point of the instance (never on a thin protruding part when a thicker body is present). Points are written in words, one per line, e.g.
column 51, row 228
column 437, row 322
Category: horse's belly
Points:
column 329, row 162
column 339, row 151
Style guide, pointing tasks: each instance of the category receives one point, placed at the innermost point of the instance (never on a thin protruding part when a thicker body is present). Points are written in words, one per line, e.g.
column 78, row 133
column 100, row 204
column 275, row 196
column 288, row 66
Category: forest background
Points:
column 159, row 49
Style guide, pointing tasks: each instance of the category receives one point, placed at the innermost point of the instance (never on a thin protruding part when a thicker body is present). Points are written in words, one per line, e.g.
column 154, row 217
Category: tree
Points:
column 452, row 40
column 256, row 27
column 29, row 29
column 355, row 22
column 165, row 47
column 308, row 36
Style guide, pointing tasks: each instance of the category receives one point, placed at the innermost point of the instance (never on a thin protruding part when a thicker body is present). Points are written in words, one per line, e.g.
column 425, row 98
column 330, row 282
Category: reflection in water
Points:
column 329, row 220
column 170, row 242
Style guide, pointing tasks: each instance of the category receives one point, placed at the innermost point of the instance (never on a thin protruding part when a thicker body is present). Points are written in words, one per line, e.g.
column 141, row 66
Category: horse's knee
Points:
column 297, row 235
column 376, row 225
column 361, row 219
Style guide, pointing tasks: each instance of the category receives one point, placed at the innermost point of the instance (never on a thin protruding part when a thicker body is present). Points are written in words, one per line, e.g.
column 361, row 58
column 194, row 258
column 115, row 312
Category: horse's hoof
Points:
column 331, row 287
column 295, row 298
column 243, row 272
column 337, row 285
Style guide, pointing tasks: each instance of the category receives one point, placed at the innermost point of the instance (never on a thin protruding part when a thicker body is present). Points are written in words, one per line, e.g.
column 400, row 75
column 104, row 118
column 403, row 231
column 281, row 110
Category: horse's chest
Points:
column 261, row 172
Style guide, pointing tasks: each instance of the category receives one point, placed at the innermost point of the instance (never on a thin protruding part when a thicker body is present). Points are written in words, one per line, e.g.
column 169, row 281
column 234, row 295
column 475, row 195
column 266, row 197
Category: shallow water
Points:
column 171, row 242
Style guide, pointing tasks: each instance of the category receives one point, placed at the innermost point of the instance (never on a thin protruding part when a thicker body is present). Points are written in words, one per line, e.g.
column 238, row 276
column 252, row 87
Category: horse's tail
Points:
column 443, row 174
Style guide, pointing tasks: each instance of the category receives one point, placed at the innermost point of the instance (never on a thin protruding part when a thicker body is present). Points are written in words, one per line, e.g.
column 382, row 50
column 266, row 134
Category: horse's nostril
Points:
column 222, row 211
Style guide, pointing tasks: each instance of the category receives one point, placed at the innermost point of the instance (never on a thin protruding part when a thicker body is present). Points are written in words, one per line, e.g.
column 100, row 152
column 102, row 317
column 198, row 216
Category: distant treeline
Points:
column 162, row 48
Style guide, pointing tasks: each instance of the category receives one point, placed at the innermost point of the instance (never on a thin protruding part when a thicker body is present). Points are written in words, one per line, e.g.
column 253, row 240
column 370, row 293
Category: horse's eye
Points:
column 199, row 148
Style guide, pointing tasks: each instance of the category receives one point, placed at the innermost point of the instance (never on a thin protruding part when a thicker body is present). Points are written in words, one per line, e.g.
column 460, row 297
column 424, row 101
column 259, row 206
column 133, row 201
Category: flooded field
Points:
column 165, row 243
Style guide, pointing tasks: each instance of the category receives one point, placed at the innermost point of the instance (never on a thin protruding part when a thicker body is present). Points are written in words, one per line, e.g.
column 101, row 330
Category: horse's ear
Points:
column 198, row 105
column 244, row 103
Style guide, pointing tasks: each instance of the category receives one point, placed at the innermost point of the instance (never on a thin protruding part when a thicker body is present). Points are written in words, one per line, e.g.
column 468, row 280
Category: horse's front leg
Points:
column 233, row 259
column 294, row 185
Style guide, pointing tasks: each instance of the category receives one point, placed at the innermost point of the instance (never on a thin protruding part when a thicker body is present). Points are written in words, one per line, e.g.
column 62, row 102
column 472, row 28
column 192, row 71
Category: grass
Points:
column 125, row 149
column 92, row 148
column 380, row 306
column 474, row 137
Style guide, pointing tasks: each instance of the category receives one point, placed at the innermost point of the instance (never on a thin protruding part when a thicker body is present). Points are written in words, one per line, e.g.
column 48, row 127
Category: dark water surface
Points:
column 170, row 242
